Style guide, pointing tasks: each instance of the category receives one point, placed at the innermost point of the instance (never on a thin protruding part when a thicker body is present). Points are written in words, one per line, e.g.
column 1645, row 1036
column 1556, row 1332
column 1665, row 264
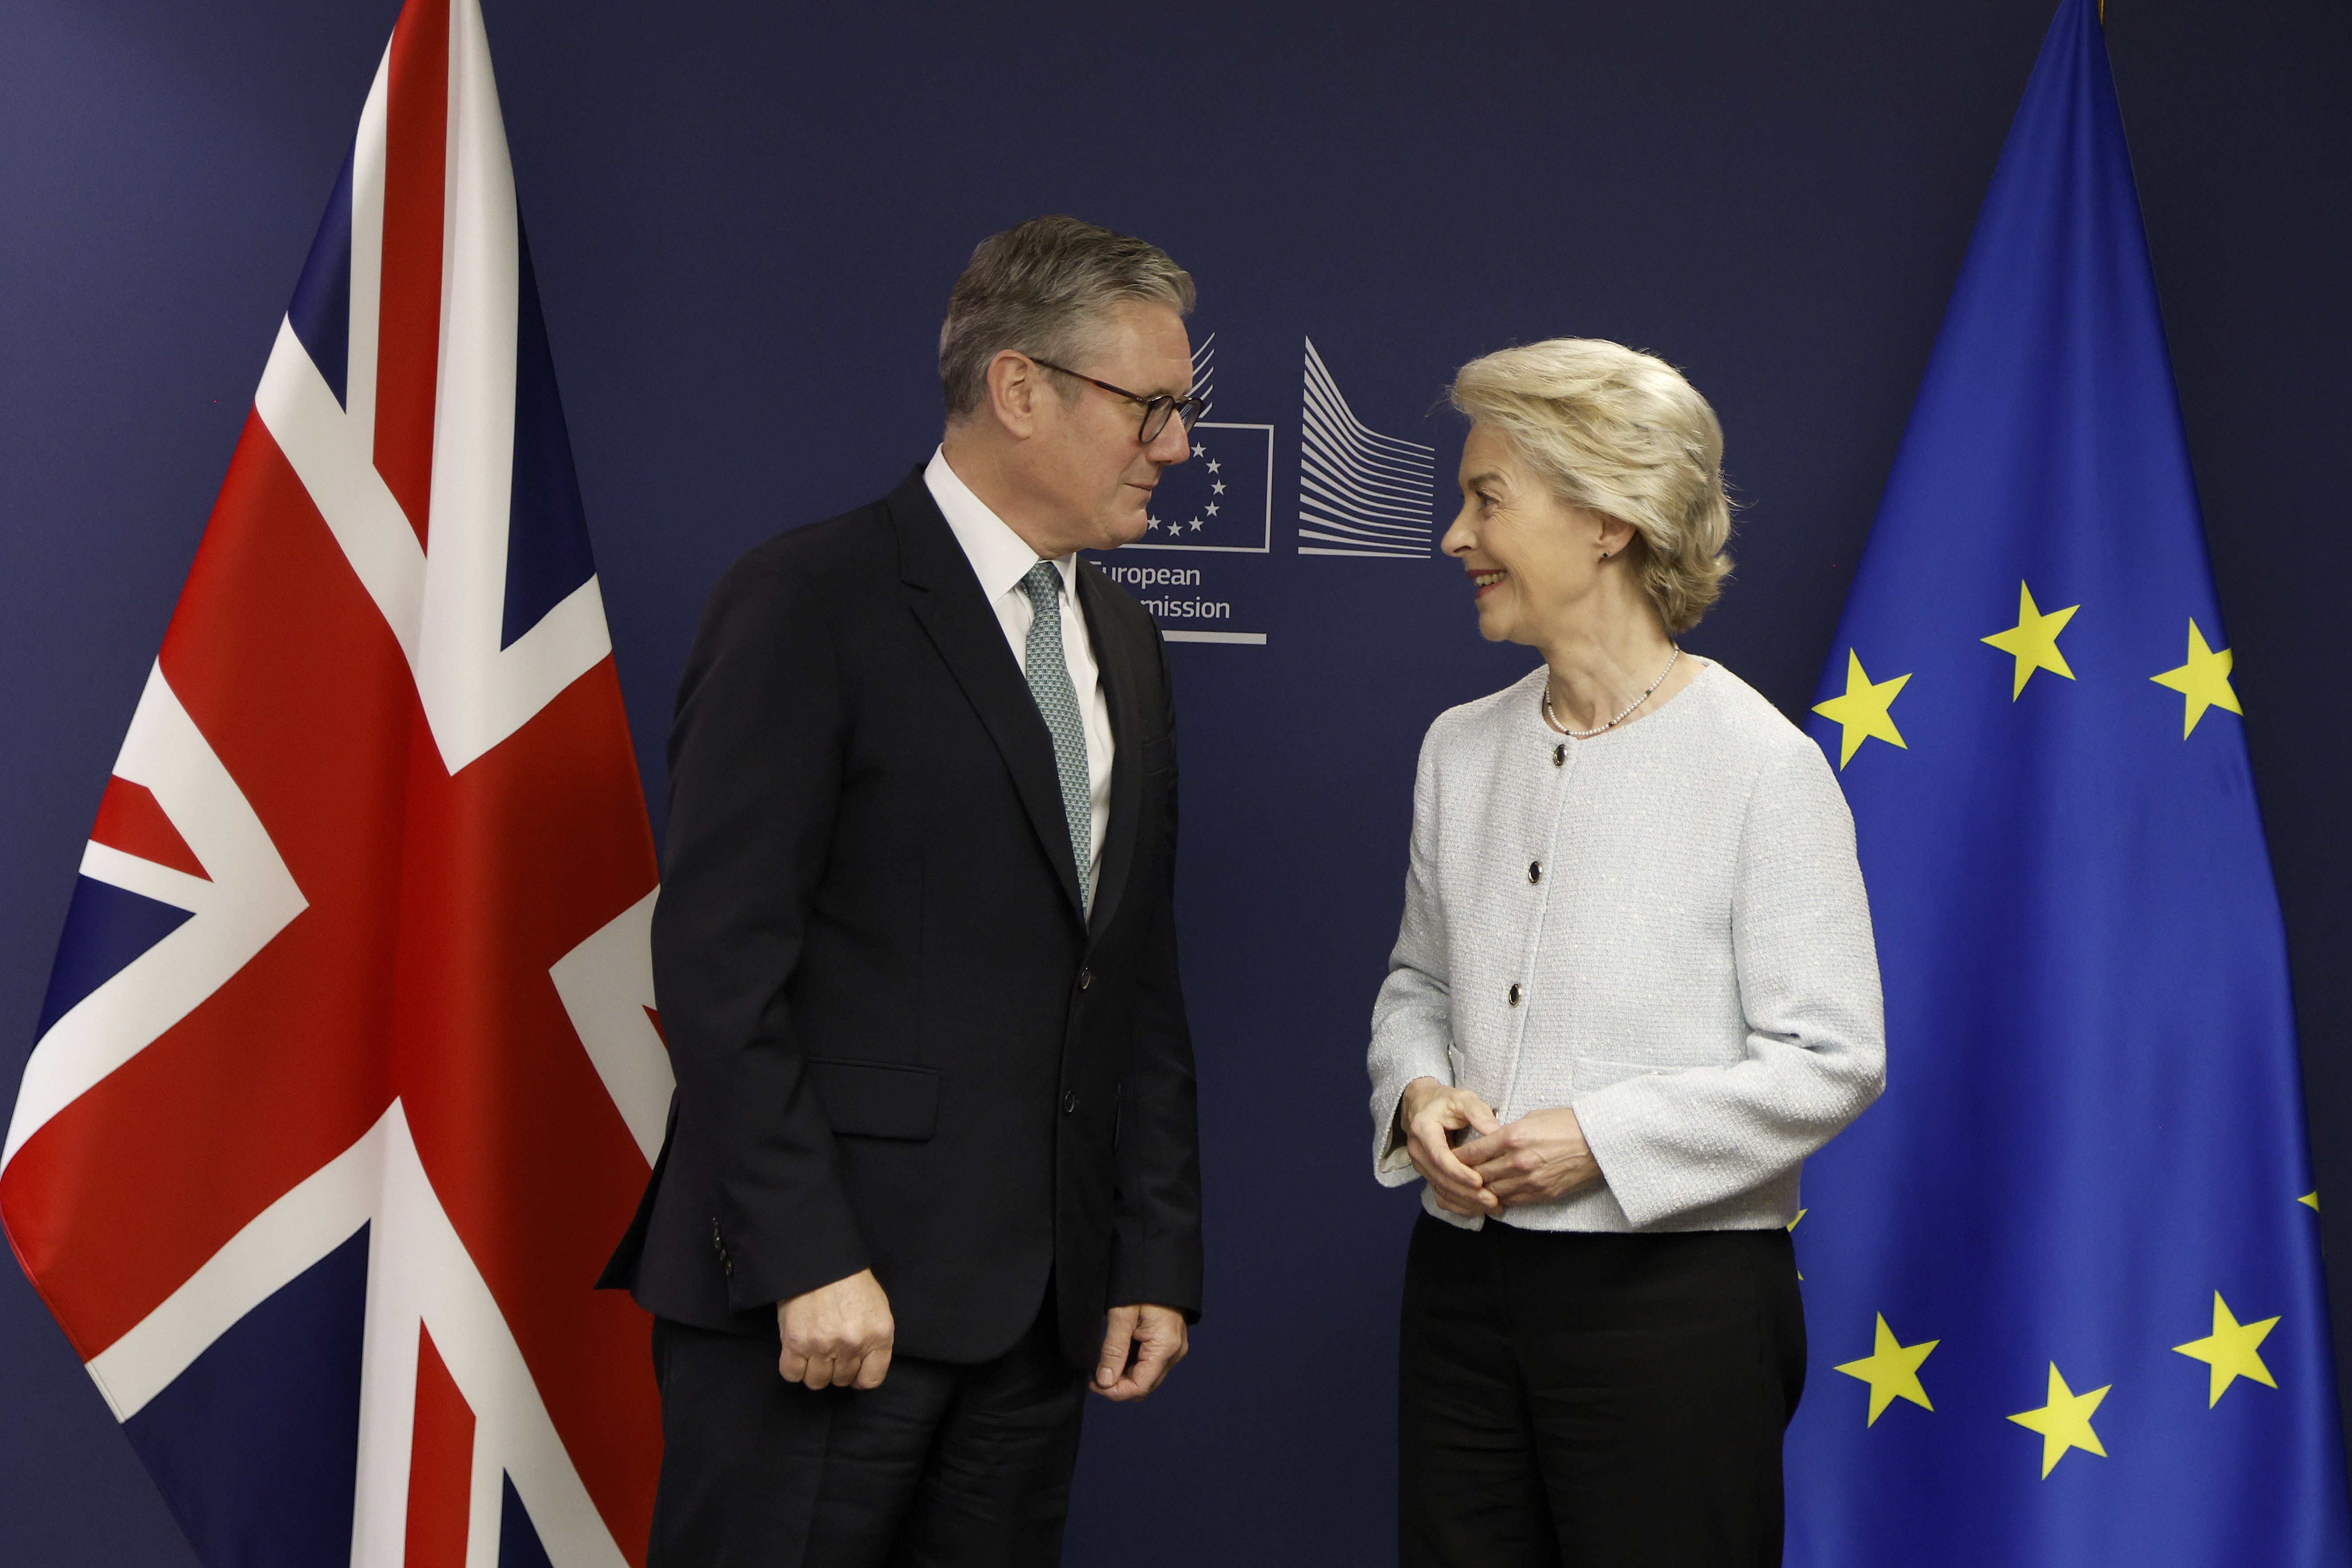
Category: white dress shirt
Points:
column 1000, row 559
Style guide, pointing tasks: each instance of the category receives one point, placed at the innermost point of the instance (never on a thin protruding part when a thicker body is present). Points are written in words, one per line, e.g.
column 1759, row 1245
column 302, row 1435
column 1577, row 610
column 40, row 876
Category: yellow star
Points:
column 1892, row 1370
column 1862, row 710
column 2065, row 1423
column 1792, row 1223
column 2311, row 1198
column 2230, row 1349
column 2204, row 680
column 2033, row 641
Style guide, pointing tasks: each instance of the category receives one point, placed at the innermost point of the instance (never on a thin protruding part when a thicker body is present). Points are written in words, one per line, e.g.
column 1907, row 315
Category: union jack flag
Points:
column 348, row 1078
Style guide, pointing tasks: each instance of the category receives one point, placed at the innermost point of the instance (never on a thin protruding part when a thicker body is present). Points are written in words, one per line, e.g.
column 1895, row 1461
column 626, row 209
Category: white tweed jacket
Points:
column 1663, row 926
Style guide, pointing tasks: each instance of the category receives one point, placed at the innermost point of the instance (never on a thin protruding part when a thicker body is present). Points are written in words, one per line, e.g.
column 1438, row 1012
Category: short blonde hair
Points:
column 1620, row 433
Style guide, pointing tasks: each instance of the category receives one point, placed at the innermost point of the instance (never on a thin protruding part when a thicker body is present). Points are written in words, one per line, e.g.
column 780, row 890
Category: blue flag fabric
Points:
column 2062, row 1282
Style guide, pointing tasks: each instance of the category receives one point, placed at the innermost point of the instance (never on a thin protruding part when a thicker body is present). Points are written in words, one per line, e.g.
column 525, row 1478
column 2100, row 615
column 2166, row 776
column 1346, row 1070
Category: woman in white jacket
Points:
column 1633, row 988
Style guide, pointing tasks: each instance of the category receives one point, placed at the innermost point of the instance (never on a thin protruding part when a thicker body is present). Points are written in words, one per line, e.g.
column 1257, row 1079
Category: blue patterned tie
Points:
column 1049, row 683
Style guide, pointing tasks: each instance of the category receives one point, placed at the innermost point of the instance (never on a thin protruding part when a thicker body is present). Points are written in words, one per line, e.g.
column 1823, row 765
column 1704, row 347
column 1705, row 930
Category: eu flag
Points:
column 2063, row 1282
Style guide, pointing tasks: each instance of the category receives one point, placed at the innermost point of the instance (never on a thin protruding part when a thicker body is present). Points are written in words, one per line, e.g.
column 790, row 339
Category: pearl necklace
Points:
column 1588, row 734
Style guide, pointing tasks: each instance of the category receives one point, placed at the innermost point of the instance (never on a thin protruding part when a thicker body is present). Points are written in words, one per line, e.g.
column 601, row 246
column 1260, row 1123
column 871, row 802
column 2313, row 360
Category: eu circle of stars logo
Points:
column 1219, row 499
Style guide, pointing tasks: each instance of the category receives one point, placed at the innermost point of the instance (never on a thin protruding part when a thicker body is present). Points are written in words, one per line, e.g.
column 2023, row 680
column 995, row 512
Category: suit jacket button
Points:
column 1070, row 1103
column 1534, row 870
column 1560, row 755
column 1086, row 978
column 1514, row 993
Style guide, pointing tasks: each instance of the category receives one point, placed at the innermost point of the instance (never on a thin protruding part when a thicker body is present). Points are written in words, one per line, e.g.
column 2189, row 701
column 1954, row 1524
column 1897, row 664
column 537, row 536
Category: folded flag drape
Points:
column 347, row 1076
column 2063, row 1282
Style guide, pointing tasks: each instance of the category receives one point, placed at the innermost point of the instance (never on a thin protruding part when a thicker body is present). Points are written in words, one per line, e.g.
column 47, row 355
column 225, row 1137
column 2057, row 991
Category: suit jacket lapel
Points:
column 1115, row 658
column 964, row 628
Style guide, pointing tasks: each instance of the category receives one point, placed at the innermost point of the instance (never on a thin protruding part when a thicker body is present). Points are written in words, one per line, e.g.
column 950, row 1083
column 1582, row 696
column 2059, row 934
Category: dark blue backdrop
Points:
column 745, row 220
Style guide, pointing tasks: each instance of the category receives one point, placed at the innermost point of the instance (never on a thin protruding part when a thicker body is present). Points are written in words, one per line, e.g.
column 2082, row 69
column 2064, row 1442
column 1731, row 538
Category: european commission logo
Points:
column 1222, row 500
column 1359, row 492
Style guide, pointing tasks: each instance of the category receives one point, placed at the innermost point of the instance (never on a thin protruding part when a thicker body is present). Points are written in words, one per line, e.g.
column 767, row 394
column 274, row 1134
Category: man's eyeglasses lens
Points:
column 1156, row 410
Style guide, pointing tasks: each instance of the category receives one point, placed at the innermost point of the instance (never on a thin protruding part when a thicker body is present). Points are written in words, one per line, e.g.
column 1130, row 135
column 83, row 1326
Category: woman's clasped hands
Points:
column 1476, row 1165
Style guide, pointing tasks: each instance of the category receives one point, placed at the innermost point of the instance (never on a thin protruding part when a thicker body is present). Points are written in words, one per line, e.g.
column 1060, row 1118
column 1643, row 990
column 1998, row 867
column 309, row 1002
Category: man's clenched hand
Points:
column 839, row 1334
column 1140, row 1344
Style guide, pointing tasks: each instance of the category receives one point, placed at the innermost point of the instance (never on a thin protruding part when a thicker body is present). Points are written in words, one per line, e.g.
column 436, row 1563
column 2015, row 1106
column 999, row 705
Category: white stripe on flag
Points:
column 251, row 898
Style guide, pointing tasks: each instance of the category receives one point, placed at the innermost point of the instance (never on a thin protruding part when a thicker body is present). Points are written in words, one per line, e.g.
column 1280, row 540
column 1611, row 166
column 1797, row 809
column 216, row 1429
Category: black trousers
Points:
column 1578, row 1401
column 941, row 1466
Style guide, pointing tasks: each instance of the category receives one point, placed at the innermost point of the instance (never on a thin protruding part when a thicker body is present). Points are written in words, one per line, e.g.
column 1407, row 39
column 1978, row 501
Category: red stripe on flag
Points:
column 416, row 170
column 440, row 1465
column 528, row 1156
column 130, row 819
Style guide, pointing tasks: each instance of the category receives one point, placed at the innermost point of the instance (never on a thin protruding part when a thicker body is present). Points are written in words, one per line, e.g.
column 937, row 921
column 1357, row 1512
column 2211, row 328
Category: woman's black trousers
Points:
column 1583, row 1401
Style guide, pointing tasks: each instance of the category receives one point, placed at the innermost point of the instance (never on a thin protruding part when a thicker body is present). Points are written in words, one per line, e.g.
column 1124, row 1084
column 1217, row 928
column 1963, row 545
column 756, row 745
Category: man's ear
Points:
column 1014, row 386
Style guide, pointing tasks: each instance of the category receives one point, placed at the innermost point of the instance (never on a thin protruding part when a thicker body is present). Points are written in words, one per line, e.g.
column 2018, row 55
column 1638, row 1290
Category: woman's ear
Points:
column 1616, row 535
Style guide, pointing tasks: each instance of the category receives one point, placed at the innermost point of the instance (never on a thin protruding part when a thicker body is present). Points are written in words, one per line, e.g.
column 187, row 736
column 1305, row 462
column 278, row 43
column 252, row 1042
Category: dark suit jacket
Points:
column 898, row 1043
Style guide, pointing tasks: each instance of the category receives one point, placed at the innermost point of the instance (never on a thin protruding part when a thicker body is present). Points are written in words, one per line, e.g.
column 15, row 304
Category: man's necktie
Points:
column 1049, row 683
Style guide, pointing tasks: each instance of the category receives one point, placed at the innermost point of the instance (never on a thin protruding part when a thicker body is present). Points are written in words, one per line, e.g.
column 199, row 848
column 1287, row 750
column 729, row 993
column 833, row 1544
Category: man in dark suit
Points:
column 932, row 1165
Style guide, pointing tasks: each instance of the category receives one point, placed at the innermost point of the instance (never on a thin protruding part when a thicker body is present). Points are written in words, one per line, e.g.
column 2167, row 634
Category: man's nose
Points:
column 1174, row 444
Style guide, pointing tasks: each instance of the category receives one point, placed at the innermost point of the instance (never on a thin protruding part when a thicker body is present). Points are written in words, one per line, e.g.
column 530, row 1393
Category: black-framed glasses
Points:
column 1156, row 409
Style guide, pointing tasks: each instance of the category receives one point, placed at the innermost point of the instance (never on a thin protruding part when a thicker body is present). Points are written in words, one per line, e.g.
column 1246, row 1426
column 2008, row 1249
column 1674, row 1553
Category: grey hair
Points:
column 1045, row 288
column 1620, row 433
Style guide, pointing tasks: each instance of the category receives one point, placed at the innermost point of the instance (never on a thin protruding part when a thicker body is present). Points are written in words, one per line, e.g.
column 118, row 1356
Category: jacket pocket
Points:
column 1596, row 1073
column 878, row 1099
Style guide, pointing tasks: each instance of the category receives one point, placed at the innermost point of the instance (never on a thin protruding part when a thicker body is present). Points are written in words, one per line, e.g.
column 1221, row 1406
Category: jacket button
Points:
column 1086, row 978
column 1560, row 755
column 1534, row 870
column 1514, row 993
column 1070, row 1103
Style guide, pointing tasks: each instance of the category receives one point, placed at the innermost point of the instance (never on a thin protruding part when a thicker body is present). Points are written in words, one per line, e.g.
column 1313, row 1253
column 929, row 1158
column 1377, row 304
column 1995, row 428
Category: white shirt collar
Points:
column 999, row 557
